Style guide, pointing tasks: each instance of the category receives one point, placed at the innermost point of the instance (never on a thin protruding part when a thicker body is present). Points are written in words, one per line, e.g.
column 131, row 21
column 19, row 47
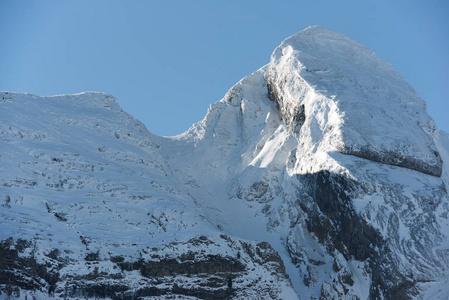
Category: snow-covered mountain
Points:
column 318, row 176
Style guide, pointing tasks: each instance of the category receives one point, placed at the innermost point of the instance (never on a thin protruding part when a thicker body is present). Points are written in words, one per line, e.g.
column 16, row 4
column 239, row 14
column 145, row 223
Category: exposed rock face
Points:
column 20, row 270
column 337, row 225
column 193, row 273
column 319, row 176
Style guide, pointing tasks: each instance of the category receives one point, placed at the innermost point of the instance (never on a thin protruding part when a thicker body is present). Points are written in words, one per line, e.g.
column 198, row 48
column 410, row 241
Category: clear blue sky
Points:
column 166, row 61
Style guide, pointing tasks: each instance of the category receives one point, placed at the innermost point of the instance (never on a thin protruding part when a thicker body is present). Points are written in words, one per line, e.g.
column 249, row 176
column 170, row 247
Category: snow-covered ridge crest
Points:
column 350, row 101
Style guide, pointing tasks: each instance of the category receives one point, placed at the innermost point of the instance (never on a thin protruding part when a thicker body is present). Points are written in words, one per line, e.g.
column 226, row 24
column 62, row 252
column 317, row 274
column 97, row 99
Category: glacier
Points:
column 319, row 176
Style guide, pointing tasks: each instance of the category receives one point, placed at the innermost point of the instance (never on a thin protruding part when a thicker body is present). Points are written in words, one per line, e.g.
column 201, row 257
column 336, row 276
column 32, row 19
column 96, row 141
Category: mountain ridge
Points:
column 259, row 199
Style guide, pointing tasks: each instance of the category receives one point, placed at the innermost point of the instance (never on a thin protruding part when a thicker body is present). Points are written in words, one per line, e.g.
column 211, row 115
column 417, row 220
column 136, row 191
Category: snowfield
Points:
column 320, row 175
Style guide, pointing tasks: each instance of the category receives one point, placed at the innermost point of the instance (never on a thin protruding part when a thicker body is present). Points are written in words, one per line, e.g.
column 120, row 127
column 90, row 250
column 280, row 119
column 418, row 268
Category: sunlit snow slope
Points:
column 319, row 175
column 88, row 203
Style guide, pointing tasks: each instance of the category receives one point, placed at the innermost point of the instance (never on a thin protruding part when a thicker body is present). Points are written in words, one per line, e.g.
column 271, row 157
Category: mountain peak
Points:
column 351, row 101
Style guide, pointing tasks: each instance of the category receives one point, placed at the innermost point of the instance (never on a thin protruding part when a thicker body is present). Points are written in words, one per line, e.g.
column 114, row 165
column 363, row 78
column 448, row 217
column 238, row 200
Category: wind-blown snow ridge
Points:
column 351, row 101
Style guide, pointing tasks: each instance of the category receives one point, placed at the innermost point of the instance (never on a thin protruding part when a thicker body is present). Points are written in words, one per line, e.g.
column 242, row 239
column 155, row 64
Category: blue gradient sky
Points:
column 166, row 61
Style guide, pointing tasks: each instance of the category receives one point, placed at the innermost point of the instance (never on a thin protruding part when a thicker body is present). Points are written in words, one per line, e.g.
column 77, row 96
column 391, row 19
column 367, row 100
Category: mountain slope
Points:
column 319, row 175
column 88, row 203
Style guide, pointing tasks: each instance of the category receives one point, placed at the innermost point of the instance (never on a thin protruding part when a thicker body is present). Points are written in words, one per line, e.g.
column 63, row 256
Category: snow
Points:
column 95, row 181
column 79, row 174
column 362, row 108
